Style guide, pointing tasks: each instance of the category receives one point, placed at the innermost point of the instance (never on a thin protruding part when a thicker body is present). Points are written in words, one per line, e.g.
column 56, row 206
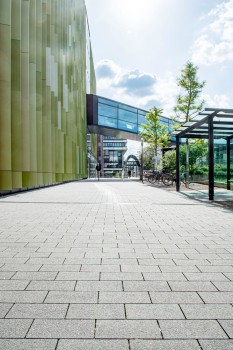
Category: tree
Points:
column 188, row 104
column 154, row 132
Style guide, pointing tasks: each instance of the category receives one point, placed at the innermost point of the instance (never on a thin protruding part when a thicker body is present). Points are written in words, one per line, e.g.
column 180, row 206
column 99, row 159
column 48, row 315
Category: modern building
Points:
column 49, row 113
column 46, row 71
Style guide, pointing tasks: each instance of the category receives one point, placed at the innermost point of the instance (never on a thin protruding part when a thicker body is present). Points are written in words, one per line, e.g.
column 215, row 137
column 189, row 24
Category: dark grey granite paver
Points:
column 164, row 345
column 62, row 329
column 97, row 344
column 191, row 329
column 217, row 344
column 28, row 344
column 127, row 329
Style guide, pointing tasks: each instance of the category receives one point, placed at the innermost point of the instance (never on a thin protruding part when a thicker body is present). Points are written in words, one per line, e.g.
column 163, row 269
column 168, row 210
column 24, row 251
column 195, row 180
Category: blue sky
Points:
column 140, row 46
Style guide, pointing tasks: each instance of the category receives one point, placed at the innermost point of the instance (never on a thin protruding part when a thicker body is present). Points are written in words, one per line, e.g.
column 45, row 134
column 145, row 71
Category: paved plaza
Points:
column 114, row 265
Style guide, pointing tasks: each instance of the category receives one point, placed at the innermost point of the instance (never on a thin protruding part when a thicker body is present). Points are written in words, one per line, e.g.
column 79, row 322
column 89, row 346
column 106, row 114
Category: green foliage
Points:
column 155, row 133
column 197, row 150
column 169, row 160
column 148, row 154
column 188, row 103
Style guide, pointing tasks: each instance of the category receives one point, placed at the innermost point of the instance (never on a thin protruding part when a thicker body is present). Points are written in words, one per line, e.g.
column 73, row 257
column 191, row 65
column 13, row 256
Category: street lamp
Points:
column 142, row 159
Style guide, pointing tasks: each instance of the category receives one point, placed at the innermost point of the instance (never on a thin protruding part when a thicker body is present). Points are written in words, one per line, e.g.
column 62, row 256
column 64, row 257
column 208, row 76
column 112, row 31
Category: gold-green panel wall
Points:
column 42, row 92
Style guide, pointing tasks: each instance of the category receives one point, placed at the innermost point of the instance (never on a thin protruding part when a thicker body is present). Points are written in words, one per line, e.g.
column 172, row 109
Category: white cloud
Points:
column 216, row 101
column 135, row 87
column 215, row 44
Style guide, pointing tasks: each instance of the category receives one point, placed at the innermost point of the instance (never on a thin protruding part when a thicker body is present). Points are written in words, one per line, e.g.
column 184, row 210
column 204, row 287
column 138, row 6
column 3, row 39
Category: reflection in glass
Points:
column 110, row 122
column 128, row 116
column 127, row 126
column 107, row 111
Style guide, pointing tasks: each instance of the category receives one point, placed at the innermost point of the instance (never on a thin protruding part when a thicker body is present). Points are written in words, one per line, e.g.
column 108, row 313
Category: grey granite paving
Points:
column 114, row 265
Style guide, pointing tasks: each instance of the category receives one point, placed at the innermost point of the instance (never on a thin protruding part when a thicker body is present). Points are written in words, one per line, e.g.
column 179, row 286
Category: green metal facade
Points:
column 43, row 85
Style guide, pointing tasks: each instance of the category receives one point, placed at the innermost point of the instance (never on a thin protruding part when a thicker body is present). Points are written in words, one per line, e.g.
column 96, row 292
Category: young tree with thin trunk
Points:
column 154, row 132
column 188, row 104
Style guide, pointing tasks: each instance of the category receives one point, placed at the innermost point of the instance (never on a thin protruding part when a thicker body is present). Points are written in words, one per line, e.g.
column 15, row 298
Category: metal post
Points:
column 211, row 159
column 228, row 164
column 142, row 159
column 177, row 164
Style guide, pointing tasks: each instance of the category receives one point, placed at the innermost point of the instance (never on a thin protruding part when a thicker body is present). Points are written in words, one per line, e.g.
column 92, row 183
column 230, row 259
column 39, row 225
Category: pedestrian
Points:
column 122, row 174
column 129, row 174
column 98, row 169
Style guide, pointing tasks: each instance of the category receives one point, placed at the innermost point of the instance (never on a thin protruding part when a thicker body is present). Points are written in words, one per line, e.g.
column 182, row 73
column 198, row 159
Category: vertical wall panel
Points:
column 43, row 92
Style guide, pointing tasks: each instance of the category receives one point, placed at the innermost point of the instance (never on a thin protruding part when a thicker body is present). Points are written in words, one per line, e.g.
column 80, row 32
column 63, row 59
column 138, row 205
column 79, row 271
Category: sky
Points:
column 140, row 46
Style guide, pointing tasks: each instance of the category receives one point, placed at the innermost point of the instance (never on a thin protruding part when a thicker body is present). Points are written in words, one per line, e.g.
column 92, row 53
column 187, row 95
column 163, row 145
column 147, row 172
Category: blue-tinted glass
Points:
column 107, row 111
column 112, row 123
column 140, row 111
column 141, row 119
column 128, row 108
column 127, row 126
column 127, row 116
column 107, row 102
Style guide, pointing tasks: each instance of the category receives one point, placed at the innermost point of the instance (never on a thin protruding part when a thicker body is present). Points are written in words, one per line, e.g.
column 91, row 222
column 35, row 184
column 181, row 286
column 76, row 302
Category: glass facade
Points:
column 120, row 116
column 46, row 69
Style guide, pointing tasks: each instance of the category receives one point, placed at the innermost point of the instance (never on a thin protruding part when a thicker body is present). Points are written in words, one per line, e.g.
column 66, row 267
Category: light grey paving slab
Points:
column 180, row 268
column 64, row 297
column 145, row 286
column 207, row 311
column 4, row 308
column 140, row 268
column 100, row 268
column 57, row 268
column 227, row 325
column 38, row 276
column 221, row 268
column 78, row 276
column 51, row 285
column 203, row 276
column 127, row 329
column 13, row 285
column 96, row 344
column 22, row 296
column 53, row 261
column 192, row 286
column 191, row 329
column 5, row 275
column 164, row 345
column 156, row 262
column 153, row 312
column 72, row 261
column 28, row 344
column 14, row 328
column 121, row 276
column 38, row 311
column 166, row 276
column 175, row 297
column 217, row 344
column 224, row 286
column 96, row 311
column 120, row 261
column 62, row 329
column 217, row 297
column 124, row 297
column 20, row 267
column 99, row 286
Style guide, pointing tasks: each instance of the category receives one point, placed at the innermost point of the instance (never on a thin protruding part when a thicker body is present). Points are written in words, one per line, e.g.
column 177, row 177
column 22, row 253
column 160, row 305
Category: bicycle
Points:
column 164, row 176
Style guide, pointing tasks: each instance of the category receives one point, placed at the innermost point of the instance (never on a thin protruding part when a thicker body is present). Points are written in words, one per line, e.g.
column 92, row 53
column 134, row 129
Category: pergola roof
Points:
column 198, row 127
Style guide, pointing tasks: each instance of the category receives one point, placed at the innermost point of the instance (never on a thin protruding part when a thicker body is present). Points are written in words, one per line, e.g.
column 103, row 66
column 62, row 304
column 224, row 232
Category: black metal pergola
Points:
column 210, row 124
